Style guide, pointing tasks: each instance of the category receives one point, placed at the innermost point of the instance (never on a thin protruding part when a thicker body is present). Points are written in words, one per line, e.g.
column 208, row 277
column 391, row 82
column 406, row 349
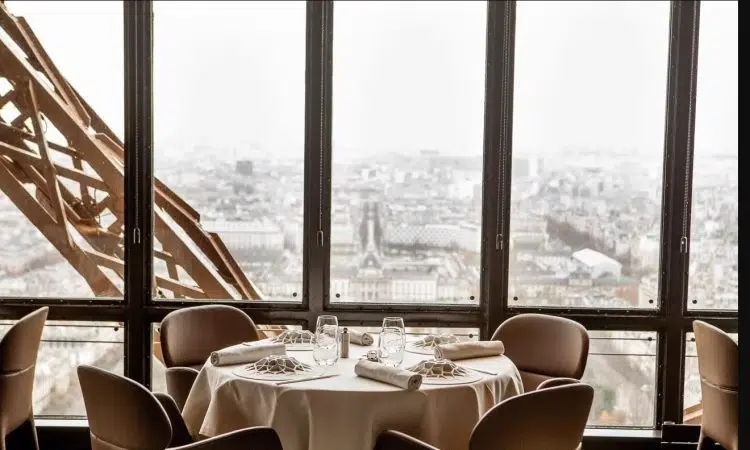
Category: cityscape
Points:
column 406, row 228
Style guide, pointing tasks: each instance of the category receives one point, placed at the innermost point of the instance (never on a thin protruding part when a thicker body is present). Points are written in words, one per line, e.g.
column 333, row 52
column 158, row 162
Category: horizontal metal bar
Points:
column 93, row 312
column 66, row 341
column 241, row 304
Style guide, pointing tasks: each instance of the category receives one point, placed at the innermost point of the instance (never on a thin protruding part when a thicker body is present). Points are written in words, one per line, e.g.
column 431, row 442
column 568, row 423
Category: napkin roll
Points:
column 390, row 375
column 468, row 350
column 360, row 338
column 244, row 354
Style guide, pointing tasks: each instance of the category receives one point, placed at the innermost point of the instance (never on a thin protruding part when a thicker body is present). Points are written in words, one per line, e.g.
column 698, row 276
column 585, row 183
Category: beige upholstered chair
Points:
column 189, row 335
column 18, row 353
column 719, row 367
column 544, row 347
column 123, row 415
column 551, row 419
column 553, row 382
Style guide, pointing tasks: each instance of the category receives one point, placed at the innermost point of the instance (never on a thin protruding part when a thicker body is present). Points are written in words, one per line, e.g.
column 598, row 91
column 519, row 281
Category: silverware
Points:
column 299, row 380
column 479, row 370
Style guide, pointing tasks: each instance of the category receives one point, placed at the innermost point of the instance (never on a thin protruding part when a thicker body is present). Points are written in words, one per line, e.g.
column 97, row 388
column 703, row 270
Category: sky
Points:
column 407, row 75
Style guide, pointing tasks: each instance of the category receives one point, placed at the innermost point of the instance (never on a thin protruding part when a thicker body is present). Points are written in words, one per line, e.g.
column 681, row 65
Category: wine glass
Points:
column 392, row 341
column 326, row 348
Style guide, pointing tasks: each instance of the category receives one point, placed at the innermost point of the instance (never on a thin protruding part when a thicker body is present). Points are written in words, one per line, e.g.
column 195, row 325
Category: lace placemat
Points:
column 426, row 345
column 294, row 340
column 278, row 368
column 443, row 371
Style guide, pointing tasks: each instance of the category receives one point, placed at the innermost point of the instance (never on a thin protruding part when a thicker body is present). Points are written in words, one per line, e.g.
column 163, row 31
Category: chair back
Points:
column 554, row 382
column 544, row 347
column 122, row 414
column 718, row 364
column 189, row 335
column 552, row 419
column 19, row 348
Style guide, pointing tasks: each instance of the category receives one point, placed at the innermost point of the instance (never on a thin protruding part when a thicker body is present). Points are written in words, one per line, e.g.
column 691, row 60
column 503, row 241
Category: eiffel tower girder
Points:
column 63, row 168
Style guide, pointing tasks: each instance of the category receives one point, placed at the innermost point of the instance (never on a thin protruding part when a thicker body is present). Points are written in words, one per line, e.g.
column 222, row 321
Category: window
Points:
column 714, row 230
column 61, row 208
column 590, row 81
column 229, row 141
column 66, row 345
column 418, row 332
column 408, row 105
column 240, row 95
column 691, row 399
column 622, row 369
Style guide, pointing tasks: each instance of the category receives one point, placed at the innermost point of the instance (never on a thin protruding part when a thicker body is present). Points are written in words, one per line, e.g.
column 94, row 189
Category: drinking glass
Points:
column 326, row 348
column 392, row 341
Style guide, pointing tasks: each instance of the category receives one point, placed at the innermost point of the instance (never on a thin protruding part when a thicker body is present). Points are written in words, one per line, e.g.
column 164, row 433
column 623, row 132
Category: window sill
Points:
column 594, row 435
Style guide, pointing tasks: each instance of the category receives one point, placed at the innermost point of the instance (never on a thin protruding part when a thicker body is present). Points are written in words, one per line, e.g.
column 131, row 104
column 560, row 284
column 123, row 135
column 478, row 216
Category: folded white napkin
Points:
column 360, row 338
column 468, row 350
column 243, row 354
column 389, row 375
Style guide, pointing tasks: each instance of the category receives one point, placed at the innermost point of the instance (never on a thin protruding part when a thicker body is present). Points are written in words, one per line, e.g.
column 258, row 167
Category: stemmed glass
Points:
column 392, row 341
column 326, row 348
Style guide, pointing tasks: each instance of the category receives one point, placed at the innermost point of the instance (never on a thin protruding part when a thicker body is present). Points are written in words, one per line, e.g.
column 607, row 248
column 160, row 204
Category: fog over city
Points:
column 408, row 125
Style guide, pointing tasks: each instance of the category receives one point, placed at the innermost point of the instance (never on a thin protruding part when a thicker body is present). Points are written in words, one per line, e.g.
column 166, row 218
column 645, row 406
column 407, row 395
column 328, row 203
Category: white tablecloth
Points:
column 347, row 412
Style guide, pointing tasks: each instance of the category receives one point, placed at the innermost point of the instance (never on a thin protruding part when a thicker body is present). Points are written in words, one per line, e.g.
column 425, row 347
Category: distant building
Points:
column 597, row 263
column 244, row 167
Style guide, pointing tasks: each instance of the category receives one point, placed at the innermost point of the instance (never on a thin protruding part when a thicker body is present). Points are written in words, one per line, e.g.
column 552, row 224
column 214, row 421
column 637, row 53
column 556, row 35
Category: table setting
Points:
column 338, row 388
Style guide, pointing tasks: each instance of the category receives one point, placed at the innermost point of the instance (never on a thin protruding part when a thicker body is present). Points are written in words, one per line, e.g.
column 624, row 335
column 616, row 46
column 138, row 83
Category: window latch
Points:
column 498, row 242
column 137, row 236
column 320, row 238
column 684, row 245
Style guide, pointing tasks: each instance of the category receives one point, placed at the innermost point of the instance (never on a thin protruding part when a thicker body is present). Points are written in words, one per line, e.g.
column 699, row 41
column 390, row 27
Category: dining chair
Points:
column 123, row 415
column 189, row 335
column 544, row 347
column 19, row 348
column 718, row 365
column 551, row 419
column 559, row 381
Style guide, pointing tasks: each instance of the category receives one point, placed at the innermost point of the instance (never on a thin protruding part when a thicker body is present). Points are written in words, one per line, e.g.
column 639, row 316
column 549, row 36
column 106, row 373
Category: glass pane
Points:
column 229, row 134
column 417, row 332
column 714, row 230
column 408, row 105
column 622, row 369
column 61, row 152
column 66, row 345
column 588, row 139
column 691, row 400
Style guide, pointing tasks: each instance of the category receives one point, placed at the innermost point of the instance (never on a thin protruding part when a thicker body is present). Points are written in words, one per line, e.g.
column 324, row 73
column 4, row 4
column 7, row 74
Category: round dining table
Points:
column 345, row 411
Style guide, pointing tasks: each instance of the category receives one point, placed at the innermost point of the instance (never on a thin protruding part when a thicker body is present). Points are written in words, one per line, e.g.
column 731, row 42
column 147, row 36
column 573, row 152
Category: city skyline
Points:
column 406, row 215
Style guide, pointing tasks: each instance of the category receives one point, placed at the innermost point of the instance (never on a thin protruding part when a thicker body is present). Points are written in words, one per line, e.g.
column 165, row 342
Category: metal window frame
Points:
column 138, row 310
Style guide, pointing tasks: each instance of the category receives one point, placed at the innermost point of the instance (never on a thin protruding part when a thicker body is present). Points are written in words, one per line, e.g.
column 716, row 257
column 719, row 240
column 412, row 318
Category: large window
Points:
column 588, row 140
column 229, row 140
column 408, row 105
column 714, row 231
column 371, row 158
column 61, row 204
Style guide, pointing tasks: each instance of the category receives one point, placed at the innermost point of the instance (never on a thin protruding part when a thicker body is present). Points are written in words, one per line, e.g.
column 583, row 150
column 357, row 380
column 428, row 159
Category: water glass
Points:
column 392, row 341
column 326, row 348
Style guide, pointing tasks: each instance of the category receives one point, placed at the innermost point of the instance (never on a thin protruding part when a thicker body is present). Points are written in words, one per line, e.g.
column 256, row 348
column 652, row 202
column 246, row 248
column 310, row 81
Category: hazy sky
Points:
column 406, row 75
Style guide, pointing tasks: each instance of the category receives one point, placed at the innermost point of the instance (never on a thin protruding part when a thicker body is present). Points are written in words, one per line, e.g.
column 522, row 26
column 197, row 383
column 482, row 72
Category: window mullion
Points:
column 138, row 187
column 317, row 156
column 497, row 150
column 676, row 200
